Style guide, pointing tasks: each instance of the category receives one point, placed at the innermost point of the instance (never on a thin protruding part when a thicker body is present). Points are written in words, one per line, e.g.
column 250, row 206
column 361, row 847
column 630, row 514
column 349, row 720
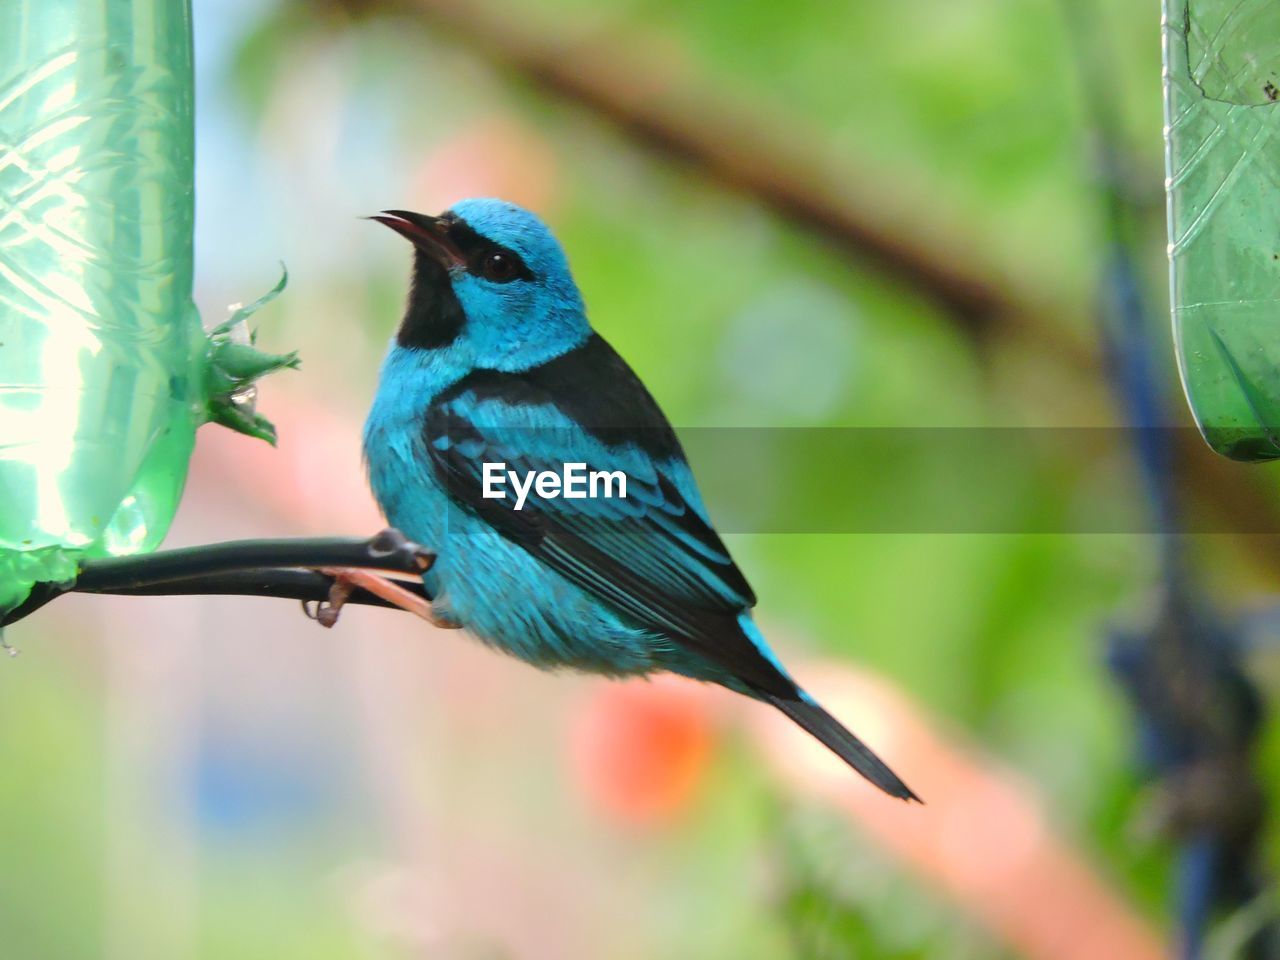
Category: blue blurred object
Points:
column 242, row 788
column 1198, row 713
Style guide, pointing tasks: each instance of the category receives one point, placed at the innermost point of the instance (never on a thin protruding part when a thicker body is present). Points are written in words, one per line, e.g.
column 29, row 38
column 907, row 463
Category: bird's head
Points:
column 492, row 275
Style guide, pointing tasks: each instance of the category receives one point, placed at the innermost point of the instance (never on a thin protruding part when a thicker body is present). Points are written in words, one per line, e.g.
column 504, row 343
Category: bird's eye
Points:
column 498, row 267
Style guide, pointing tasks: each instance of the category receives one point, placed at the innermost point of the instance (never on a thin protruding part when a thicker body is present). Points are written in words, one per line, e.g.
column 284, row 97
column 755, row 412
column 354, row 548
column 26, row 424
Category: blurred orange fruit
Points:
column 640, row 750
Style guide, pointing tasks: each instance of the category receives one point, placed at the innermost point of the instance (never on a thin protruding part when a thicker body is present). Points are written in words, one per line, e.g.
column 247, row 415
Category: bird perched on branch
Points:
column 495, row 363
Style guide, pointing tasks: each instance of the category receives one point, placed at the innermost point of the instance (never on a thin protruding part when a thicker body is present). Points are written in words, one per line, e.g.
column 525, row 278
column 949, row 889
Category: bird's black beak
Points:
column 428, row 234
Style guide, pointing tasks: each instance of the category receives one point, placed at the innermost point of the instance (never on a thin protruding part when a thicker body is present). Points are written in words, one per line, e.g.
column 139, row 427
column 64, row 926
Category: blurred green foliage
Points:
column 969, row 111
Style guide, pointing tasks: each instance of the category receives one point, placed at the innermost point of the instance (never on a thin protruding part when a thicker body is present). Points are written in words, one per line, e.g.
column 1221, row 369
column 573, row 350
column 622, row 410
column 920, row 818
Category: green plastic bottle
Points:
column 1222, row 135
column 105, row 371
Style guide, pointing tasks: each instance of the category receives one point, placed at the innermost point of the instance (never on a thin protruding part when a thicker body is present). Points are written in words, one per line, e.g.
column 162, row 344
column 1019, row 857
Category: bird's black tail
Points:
column 848, row 747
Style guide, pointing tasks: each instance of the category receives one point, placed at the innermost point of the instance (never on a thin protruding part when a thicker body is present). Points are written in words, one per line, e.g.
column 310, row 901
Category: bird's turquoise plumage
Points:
column 495, row 362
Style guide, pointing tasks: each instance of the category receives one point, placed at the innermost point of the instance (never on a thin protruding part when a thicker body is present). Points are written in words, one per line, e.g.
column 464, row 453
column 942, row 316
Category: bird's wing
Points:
column 652, row 556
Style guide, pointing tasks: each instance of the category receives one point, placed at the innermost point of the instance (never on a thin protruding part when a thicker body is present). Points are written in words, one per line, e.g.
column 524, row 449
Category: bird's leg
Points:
column 347, row 579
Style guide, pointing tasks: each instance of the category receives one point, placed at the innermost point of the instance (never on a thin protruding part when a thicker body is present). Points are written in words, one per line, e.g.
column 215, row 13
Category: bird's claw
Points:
column 326, row 612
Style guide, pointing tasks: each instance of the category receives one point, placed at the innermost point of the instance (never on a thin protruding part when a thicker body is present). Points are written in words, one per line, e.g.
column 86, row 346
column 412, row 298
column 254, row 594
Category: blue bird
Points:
column 495, row 363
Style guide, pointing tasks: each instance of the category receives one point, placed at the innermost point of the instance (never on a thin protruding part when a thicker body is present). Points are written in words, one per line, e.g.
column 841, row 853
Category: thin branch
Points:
column 297, row 584
column 389, row 550
column 265, row 568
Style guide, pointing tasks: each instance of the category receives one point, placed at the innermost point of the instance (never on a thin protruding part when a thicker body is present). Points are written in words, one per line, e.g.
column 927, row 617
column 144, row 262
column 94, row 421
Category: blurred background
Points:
column 883, row 214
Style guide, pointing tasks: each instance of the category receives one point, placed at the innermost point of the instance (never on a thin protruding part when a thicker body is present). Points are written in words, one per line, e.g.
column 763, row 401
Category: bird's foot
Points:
column 348, row 579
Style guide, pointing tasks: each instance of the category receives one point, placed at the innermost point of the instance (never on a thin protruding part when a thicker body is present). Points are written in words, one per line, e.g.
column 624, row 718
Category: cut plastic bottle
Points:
column 105, row 371
column 1222, row 135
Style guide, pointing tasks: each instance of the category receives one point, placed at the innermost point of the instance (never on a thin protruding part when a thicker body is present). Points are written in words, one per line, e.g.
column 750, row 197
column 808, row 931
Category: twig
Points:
column 388, row 550
column 267, row 568
column 301, row 584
